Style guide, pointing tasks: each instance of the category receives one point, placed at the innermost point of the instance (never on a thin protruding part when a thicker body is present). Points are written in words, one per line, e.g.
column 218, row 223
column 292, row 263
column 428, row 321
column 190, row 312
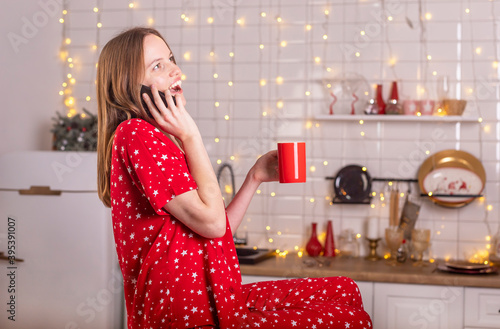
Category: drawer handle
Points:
column 40, row 190
column 4, row 257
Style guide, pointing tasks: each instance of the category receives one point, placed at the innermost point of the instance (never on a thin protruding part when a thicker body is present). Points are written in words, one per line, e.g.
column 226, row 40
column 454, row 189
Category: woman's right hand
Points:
column 173, row 119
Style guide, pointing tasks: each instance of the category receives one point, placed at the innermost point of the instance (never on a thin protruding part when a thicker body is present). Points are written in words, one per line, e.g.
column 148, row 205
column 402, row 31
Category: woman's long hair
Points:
column 119, row 74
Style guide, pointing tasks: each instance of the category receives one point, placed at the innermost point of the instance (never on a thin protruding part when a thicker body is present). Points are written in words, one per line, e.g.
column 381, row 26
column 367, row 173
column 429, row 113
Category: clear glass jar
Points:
column 349, row 245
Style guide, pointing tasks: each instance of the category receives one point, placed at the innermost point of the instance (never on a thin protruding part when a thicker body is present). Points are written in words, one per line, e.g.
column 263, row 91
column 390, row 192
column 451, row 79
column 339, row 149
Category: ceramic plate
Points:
column 352, row 184
column 444, row 268
column 466, row 265
column 452, row 172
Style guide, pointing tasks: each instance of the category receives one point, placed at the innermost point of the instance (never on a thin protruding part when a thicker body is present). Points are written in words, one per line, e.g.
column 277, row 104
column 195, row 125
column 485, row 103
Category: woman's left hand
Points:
column 265, row 168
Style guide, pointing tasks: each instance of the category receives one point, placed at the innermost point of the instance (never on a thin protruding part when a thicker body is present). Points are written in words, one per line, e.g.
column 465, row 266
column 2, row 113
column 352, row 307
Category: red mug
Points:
column 292, row 162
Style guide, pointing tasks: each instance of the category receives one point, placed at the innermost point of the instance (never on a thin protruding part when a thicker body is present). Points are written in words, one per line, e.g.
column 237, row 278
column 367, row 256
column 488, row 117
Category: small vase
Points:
column 329, row 242
column 314, row 247
column 380, row 100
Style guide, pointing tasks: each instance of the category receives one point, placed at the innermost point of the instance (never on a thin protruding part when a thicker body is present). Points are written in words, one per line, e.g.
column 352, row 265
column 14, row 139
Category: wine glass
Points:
column 420, row 242
column 393, row 238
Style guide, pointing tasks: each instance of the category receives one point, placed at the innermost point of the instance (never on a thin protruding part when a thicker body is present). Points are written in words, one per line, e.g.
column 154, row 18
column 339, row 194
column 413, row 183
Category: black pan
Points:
column 352, row 184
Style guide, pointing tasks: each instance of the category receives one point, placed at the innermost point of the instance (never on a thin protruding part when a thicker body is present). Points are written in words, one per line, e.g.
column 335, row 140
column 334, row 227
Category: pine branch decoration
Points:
column 76, row 133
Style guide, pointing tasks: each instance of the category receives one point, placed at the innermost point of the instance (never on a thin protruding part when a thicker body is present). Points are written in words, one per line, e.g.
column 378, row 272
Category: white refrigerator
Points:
column 58, row 267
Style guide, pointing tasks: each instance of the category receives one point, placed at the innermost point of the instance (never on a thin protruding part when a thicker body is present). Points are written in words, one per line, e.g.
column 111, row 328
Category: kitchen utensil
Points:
column 394, row 207
column 352, row 184
column 409, row 216
column 451, row 172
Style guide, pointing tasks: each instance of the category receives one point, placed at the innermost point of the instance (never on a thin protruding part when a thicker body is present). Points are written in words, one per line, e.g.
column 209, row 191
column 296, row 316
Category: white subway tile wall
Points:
column 278, row 56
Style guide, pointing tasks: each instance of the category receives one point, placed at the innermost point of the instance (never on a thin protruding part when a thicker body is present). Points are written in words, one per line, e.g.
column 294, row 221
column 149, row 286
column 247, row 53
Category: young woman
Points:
column 173, row 235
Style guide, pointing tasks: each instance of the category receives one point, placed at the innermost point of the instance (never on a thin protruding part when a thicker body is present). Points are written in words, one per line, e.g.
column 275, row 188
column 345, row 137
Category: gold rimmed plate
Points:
column 452, row 178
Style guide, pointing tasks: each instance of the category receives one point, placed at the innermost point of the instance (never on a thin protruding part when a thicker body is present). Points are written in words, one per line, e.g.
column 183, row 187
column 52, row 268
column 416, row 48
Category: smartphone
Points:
column 147, row 90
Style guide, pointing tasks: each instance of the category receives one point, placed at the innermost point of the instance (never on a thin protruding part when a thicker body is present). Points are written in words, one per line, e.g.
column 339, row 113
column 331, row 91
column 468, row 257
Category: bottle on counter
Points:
column 402, row 253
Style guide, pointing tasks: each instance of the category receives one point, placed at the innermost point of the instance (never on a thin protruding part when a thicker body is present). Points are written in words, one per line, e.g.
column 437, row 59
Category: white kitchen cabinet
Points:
column 482, row 308
column 63, row 270
column 409, row 306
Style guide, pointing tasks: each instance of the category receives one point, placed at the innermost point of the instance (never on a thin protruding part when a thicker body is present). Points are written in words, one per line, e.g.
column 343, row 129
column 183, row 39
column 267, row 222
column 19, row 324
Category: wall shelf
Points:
column 395, row 117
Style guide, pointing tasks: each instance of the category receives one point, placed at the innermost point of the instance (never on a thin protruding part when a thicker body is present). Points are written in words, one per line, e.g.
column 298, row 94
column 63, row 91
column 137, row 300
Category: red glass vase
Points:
column 380, row 100
column 314, row 247
column 329, row 242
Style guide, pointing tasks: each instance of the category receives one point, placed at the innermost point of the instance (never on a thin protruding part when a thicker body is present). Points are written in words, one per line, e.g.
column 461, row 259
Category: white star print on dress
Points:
column 174, row 278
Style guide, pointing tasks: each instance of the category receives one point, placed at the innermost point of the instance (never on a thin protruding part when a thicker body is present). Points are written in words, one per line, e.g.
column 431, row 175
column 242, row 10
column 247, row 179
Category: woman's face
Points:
column 159, row 67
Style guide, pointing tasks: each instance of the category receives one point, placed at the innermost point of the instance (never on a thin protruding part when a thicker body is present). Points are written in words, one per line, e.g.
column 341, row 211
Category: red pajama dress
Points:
column 175, row 278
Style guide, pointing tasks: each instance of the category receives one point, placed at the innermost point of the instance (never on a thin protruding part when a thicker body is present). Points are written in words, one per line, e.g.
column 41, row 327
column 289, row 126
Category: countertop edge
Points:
column 360, row 270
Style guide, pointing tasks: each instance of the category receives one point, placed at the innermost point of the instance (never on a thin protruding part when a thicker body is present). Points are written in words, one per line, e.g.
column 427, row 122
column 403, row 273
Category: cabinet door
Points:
column 412, row 306
column 482, row 308
column 69, row 277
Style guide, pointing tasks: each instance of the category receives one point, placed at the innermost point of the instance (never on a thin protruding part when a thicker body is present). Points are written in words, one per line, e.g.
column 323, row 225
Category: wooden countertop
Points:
column 360, row 269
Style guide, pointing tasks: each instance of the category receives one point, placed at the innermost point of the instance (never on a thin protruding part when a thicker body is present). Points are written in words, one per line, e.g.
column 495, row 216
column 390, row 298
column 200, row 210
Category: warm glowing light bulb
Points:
column 64, row 12
column 467, row 10
column 279, row 104
column 283, row 43
column 279, row 19
column 279, row 80
column 231, row 54
column 273, row 193
column 325, row 36
column 131, row 5
column 308, row 27
column 479, row 50
column 263, row 14
column 240, row 21
column 219, row 161
column 99, row 25
column 212, row 53
column 263, row 82
column 261, row 46
column 230, row 83
column 226, row 117
column 308, row 93
column 67, row 41
column 494, row 64
column 312, row 168
column 428, row 16
column 61, row 20
column 216, row 104
column 87, row 99
column 217, row 139
column 187, row 55
column 429, row 57
column 325, row 163
column 216, row 75
column 96, row 9
column 357, row 54
column 183, row 77
column 317, row 60
column 210, row 20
